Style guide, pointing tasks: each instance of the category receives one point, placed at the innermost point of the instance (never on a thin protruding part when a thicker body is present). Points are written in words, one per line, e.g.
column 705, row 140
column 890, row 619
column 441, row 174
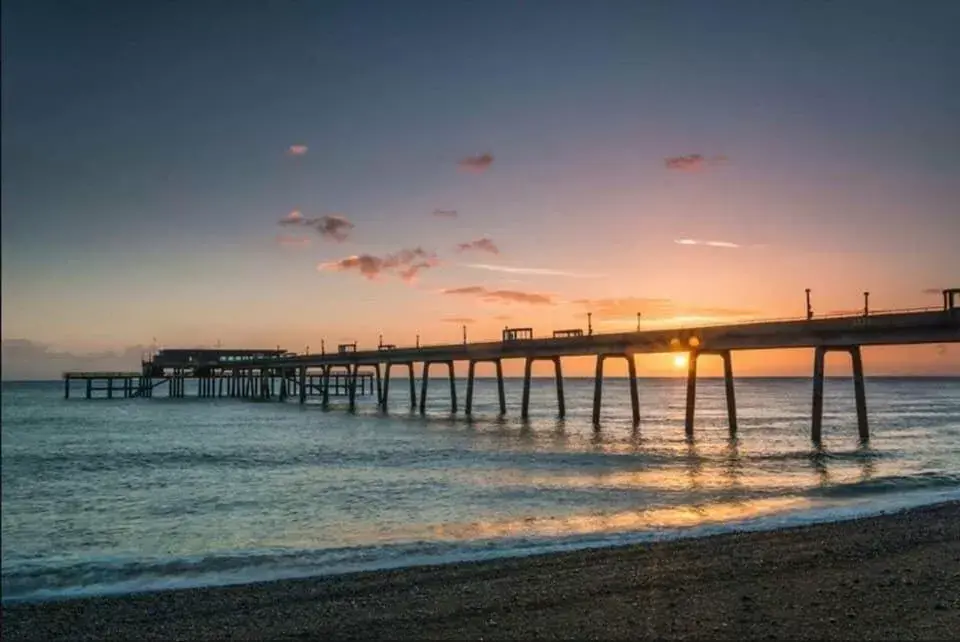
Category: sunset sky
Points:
column 263, row 173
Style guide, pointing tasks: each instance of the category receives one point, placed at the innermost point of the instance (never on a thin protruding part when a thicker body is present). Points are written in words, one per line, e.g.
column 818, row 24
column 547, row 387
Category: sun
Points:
column 679, row 360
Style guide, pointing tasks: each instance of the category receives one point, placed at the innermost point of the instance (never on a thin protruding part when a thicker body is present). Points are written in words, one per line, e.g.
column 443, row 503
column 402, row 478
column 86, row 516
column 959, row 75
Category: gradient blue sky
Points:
column 145, row 165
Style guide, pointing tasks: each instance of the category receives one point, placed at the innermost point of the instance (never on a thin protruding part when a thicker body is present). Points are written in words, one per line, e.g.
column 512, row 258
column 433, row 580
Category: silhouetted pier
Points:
column 349, row 372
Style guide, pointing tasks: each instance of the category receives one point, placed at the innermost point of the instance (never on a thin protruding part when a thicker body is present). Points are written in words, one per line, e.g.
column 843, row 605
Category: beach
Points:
column 893, row 576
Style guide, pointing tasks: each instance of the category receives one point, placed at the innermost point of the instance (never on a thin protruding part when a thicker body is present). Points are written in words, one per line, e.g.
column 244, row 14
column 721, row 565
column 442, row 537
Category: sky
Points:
column 281, row 173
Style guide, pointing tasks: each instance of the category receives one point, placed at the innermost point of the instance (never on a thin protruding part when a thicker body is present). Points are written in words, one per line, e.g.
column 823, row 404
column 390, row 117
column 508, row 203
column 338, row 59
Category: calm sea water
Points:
column 128, row 495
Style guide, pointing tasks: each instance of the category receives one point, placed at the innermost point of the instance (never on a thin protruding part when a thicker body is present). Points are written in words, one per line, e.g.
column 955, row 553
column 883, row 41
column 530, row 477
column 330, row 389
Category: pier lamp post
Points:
column 809, row 308
column 380, row 341
column 866, row 304
column 418, row 342
column 590, row 324
column 464, row 334
column 638, row 322
column 323, row 347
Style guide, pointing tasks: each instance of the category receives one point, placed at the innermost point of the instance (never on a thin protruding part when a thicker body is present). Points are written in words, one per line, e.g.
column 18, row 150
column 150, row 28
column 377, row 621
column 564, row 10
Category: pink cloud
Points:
column 482, row 245
column 693, row 162
column 476, row 164
column 297, row 150
column 331, row 226
column 405, row 264
column 502, row 296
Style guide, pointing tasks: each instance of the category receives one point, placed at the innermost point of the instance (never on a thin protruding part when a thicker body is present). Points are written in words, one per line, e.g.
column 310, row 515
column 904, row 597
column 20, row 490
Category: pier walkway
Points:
column 349, row 372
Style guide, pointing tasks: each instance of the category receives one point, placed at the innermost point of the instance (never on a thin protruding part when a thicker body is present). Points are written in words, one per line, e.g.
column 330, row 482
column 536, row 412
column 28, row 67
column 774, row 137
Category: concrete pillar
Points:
column 352, row 390
column 66, row 387
column 634, row 393
column 379, row 385
column 425, row 377
column 527, row 373
column 283, row 385
column 413, row 387
column 384, row 400
column 109, row 387
column 471, row 367
column 500, row 394
column 89, row 388
column 860, row 394
column 731, row 398
column 691, row 391
column 558, row 375
column 326, row 387
column 816, row 431
column 303, row 384
column 597, row 390
column 453, row 388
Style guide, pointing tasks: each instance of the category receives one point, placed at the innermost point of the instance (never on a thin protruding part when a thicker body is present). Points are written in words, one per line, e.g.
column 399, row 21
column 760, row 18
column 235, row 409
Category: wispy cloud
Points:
column 502, row 317
column 459, row 320
column 297, row 150
column 726, row 244
column 293, row 241
column 476, row 164
column 405, row 264
column 445, row 213
column 626, row 309
column 482, row 245
column 530, row 270
column 692, row 162
column 503, row 296
column 331, row 226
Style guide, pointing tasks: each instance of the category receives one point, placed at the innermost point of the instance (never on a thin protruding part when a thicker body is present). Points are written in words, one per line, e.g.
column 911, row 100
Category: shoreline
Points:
column 887, row 576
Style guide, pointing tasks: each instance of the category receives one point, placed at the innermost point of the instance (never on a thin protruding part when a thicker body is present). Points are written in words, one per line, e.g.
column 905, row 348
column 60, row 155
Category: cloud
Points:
column 502, row 296
column 726, row 244
column 405, row 264
column 656, row 308
column 331, row 226
column 293, row 241
column 502, row 317
column 297, row 150
column 530, row 270
column 692, row 162
column 482, row 245
column 459, row 320
column 476, row 164
column 445, row 213
column 933, row 291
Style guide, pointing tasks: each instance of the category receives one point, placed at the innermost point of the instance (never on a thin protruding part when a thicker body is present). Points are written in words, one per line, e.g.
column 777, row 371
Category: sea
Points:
column 128, row 495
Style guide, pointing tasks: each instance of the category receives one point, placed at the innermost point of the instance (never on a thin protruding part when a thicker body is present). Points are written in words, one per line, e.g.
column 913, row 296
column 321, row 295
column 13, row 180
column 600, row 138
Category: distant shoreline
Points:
column 884, row 577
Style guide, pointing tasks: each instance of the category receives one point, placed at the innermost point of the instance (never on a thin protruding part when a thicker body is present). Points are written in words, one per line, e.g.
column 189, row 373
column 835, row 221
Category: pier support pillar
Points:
column 283, row 385
column 352, row 386
column 634, row 392
column 525, row 403
column 500, row 393
column 468, row 406
column 325, row 400
column 860, row 393
column 558, row 375
column 379, row 385
column 731, row 397
column 303, row 384
column 66, row 387
column 109, row 387
column 597, row 390
column 386, row 386
column 453, row 388
column 413, row 387
column 425, row 378
column 691, row 391
column 816, row 430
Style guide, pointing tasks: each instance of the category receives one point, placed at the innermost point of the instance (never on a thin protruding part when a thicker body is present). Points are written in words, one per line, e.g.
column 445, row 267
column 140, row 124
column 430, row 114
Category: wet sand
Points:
column 890, row 577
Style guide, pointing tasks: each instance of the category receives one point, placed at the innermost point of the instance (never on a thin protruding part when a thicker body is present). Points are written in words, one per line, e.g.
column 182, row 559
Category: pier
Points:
column 350, row 372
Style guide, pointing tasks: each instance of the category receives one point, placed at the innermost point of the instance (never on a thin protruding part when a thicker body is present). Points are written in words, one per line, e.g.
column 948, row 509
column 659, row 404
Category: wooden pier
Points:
column 349, row 372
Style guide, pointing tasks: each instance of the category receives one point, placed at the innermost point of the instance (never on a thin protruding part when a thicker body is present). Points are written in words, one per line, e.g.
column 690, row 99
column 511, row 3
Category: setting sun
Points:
column 680, row 360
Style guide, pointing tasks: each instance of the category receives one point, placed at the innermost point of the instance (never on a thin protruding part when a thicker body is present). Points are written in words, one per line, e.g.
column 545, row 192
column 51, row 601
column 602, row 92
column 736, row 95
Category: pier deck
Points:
column 256, row 373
